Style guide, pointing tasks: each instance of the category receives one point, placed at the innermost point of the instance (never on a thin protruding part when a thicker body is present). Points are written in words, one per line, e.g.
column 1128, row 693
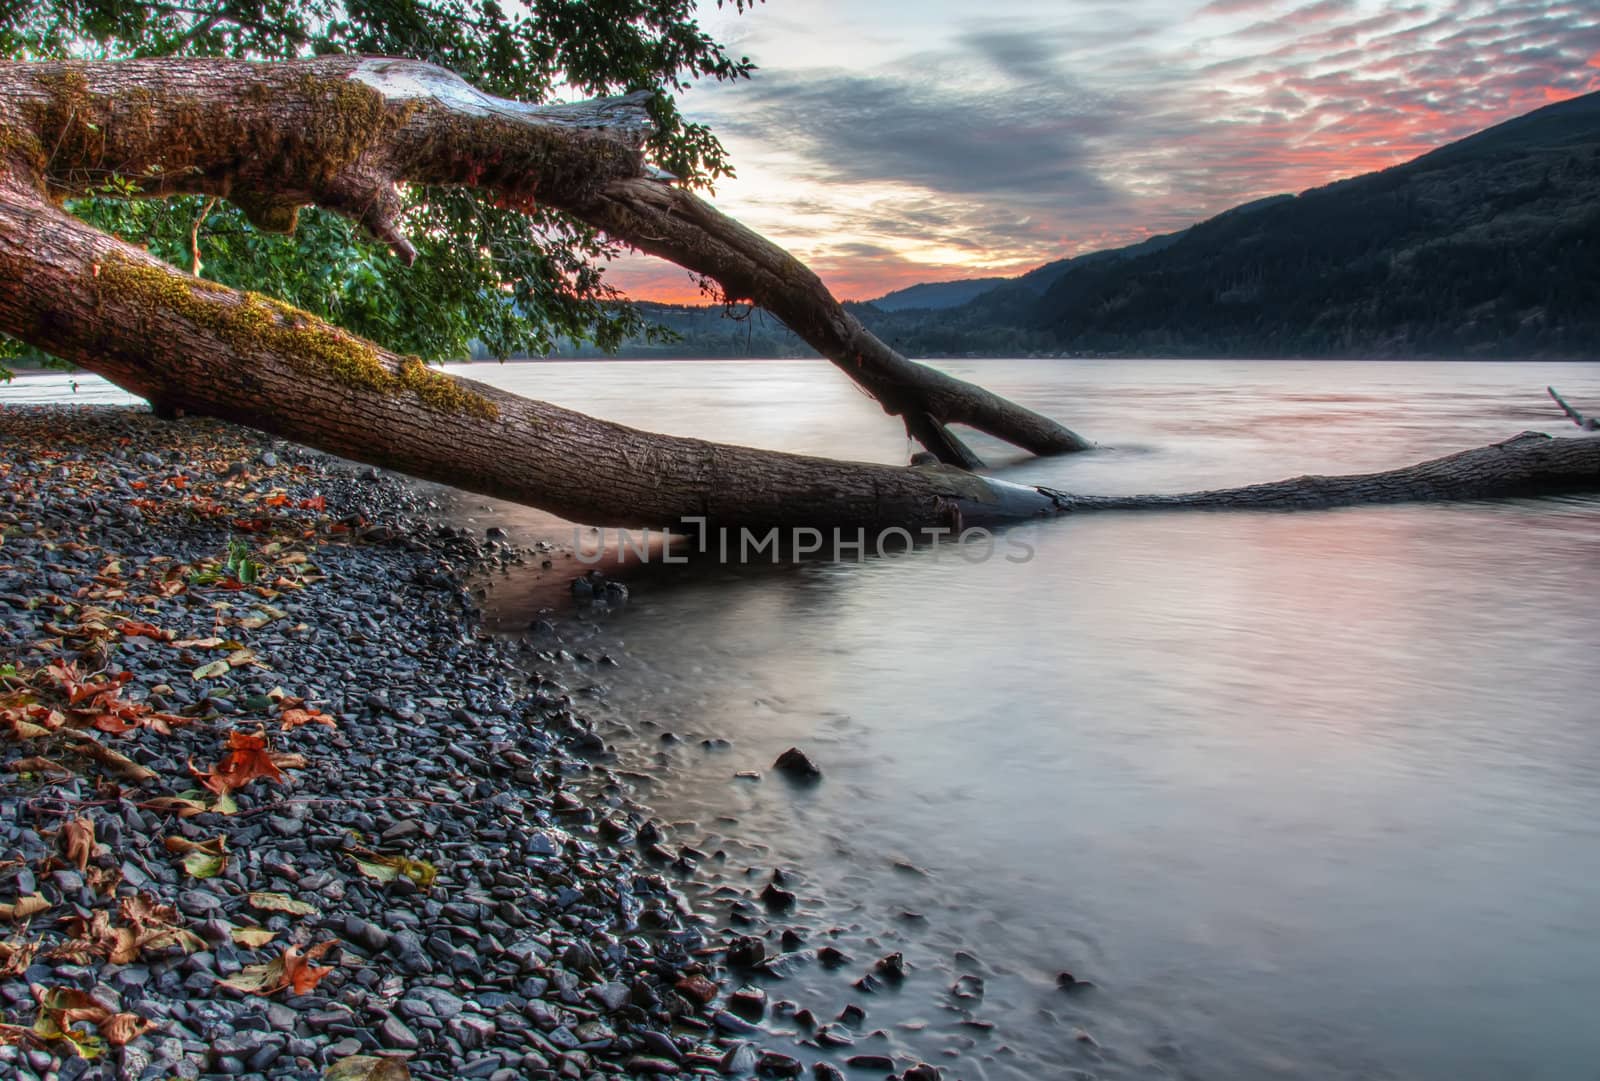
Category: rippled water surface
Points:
column 1306, row 795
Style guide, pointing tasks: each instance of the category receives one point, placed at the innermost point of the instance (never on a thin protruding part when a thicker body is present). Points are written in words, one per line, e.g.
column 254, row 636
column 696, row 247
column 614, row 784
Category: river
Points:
column 1304, row 795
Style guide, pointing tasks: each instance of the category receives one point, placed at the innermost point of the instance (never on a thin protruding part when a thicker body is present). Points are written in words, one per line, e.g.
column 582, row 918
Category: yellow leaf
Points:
column 252, row 938
column 23, row 907
column 280, row 902
column 388, row 868
column 367, row 1068
column 211, row 671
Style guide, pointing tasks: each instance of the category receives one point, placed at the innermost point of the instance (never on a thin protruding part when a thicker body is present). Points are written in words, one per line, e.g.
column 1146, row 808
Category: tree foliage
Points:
column 511, row 281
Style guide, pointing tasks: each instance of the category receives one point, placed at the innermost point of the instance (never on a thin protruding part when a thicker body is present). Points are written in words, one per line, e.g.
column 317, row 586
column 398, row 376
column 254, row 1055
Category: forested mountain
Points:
column 1489, row 246
column 1486, row 247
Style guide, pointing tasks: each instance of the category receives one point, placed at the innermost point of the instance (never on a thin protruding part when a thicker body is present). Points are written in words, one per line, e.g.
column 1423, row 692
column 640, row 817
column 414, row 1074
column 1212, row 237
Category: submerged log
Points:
column 1530, row 464
column 1587, row 423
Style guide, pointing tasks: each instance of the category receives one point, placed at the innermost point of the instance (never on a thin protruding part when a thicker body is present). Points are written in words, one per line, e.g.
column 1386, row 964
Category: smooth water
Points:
column 1306, row 795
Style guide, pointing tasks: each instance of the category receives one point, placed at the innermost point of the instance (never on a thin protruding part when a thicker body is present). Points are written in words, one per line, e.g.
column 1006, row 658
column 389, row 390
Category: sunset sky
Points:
column 889, row 142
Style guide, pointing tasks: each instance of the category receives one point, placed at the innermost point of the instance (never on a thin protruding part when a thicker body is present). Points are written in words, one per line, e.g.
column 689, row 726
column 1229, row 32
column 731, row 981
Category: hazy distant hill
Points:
column 930, row 296
column 1489, row 246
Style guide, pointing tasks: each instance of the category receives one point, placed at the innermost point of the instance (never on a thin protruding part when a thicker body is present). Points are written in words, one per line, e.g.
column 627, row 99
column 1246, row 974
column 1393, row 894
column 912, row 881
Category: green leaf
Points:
column 202, row 859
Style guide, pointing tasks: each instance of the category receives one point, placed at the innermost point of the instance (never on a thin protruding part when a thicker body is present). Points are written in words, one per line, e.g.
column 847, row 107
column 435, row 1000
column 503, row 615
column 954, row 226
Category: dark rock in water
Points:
column 795, row 764
column 727, row 1022
column 834, row 1036
column 923, row 1072
column 696, row 989
column 776, row 899
column 772, row 1064
column 870, row 1062
column 1068, row 982
column 494, row 532
column 645, row 1064
column 792, row 939
column 746, row 951
column 968, row 987
column 741, row 1058
column 853, row 1015
column 832, row 958
column 892, row 967
column 827, row 1071
column 749, row 1003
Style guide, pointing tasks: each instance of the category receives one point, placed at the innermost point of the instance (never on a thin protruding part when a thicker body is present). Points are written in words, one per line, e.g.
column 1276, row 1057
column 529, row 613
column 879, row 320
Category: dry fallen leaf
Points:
column 211, row 671
column 117, row 763
column 280, row 902
column 388, row 868
column 294, row 718
column 60, row 1008
column 24, row 907
column 252, row 938
column 248, row 757
column 367, row 1068
column 77, row 842
column 177, row 805
column 202, row 859
column 146, row 925
column 290, row 969
column 51, row 769
column 139, row 629
column 16, row 954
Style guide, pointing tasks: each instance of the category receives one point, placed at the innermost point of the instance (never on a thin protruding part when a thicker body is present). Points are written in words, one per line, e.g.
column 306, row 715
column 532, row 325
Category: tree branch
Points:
column 342, row 132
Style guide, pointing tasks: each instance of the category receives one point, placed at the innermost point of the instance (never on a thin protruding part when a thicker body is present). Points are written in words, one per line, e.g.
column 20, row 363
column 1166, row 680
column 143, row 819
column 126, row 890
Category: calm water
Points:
column 1306, row 795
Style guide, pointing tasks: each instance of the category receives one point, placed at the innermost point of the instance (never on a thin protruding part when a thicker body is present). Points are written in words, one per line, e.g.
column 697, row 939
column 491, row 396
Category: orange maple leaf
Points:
column 292, row 968
column 249, row 756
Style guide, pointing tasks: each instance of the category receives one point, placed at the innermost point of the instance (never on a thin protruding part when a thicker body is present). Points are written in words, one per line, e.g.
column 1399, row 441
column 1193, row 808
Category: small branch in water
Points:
column 1587, row 423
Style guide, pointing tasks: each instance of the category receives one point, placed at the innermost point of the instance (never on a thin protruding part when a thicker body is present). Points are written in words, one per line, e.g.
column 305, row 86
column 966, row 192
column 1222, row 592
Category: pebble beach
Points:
column 274, row 805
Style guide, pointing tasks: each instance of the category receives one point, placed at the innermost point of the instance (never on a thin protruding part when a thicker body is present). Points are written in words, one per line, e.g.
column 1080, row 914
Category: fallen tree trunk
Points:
column 340, row 133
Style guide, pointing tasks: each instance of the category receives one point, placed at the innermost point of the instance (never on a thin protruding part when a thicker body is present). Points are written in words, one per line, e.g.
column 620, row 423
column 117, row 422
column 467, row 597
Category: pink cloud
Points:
column 1234, row 7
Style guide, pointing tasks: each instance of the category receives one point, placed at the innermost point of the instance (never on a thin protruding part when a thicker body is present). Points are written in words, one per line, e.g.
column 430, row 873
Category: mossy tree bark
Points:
column 342, row 133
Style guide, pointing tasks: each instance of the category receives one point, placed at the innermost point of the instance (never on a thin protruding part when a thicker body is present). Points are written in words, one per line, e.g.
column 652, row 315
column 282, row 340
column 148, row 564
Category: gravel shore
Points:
column 271, row 802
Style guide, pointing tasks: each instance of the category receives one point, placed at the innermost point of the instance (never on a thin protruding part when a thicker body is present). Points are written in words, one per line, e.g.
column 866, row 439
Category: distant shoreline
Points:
column 20, row 374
